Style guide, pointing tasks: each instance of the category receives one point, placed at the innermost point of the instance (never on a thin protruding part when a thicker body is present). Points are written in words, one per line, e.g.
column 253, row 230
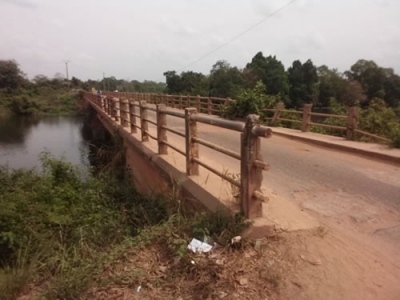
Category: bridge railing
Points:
column 212, row 105
column 349, row 124
column 124, row 112
column 207, row 105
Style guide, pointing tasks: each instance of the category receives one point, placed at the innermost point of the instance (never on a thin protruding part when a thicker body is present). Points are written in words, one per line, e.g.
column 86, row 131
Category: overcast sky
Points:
column 134, row 39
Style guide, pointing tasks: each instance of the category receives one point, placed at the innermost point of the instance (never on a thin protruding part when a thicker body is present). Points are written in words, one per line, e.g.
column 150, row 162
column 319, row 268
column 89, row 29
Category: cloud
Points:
column 300, row 43
column 21, row 3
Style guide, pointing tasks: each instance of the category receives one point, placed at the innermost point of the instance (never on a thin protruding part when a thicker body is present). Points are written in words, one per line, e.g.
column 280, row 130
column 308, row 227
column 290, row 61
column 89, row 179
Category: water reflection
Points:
column 13, row 129
column 22, row 139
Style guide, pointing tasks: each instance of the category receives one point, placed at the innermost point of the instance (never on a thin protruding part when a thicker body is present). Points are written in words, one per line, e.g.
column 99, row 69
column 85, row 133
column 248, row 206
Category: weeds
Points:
column 59, row 228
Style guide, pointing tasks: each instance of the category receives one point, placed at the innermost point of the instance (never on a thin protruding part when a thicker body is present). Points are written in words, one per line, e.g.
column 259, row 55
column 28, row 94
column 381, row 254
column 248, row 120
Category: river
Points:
column 22, row 139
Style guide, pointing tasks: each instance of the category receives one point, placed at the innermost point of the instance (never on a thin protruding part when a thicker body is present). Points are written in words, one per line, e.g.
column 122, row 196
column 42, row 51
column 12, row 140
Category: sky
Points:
column 132, row 39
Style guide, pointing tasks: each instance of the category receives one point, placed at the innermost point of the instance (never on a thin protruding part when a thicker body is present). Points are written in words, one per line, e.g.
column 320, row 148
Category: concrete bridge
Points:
column 215, row 166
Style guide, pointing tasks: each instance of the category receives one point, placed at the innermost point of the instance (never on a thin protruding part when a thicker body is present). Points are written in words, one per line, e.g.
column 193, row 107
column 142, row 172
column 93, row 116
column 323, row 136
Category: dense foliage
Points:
column 299, row 84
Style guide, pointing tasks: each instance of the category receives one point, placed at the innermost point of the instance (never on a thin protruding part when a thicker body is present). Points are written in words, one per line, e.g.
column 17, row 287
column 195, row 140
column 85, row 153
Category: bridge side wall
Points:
column 152, row 174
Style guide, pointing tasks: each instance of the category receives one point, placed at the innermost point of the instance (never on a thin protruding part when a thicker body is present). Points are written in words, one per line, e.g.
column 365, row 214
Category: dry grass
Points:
column 254, row 272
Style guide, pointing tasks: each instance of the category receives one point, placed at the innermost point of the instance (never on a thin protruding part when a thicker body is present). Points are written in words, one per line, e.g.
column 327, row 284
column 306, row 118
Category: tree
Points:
column 173, row 82
column 303, row 81
column 376, row 81
column 272, row 73
column 194, row 83
column 41, row 80
column 370, row 76
column 76, row 83
column 11, row 77
column 392, row 90
column 332, row 84
column 354, row 94
column 225, row 81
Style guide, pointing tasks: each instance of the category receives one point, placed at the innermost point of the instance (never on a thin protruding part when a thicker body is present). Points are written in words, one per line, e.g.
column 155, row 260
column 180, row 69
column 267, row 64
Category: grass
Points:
column 60, row 230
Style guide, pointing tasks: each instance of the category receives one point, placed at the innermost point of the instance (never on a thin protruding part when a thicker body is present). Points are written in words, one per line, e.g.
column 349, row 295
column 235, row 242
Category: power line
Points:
column 239, row 35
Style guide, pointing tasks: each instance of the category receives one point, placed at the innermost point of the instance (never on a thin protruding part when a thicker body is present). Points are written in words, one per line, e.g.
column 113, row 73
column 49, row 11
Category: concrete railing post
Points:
column 125, row 116
column 143, row 123
column 192, row 148
column 132, row 116
column 106, row 105
column 352, row 123
column 198, row 103
column 305, row 126
column 112, row 108
column 161, row 131
column 250, row 174
column 117, row 109
column 277, row 113
column 103, row 105
column 180, row 101
column 209, row 106
column 188, row 101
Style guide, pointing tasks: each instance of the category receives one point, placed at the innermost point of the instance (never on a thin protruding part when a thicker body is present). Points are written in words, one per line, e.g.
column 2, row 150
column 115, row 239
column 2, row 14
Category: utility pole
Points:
column 66, row 68
column 104, row 83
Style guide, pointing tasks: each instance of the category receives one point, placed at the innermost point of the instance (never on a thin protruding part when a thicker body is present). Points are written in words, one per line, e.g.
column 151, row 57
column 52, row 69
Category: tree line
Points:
column 55, row 95
column 301, row 83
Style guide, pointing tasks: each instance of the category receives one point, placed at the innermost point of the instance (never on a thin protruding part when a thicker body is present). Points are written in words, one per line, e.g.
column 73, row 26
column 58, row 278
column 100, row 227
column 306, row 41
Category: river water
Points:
column 22, row 139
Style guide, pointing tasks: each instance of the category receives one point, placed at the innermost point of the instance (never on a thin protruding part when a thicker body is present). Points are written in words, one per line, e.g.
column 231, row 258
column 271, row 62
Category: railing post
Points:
column 102, row 101
column 132, row 116
column 180, row 101
column 192, row 148
column 110, row 106
column 277, row 113
column 112, row 109
column 188, row 101
column 250, row 174
column 161, row 132
column 198, row 103
column 125, row 117
column 305, row 127
column 209, row 105
column 352, row 123
column 143, row 123
column 117, row 109
column 106, row 105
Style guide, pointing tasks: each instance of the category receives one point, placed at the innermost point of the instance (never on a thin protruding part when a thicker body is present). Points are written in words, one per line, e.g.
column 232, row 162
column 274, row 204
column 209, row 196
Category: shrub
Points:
column 250, row 101
column 23, row 105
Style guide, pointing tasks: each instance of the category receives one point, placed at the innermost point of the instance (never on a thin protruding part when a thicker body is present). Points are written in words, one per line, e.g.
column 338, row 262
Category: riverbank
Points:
column 59, row 231
column 46, row 101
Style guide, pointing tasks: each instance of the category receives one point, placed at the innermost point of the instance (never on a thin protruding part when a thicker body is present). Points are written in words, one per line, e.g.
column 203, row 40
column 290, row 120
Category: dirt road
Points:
column 356, row 199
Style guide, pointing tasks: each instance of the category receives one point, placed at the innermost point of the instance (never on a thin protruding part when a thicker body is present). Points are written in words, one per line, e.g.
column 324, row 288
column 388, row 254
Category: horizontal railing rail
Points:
column 123, row 111
column 349, row 125
column 207, row 105
column 212, row 105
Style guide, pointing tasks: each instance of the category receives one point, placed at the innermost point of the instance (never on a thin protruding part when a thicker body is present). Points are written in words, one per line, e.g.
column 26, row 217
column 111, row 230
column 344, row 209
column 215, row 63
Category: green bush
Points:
column 380, row 120
column 336, row 109
column 250, row 101
column 23, row 105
